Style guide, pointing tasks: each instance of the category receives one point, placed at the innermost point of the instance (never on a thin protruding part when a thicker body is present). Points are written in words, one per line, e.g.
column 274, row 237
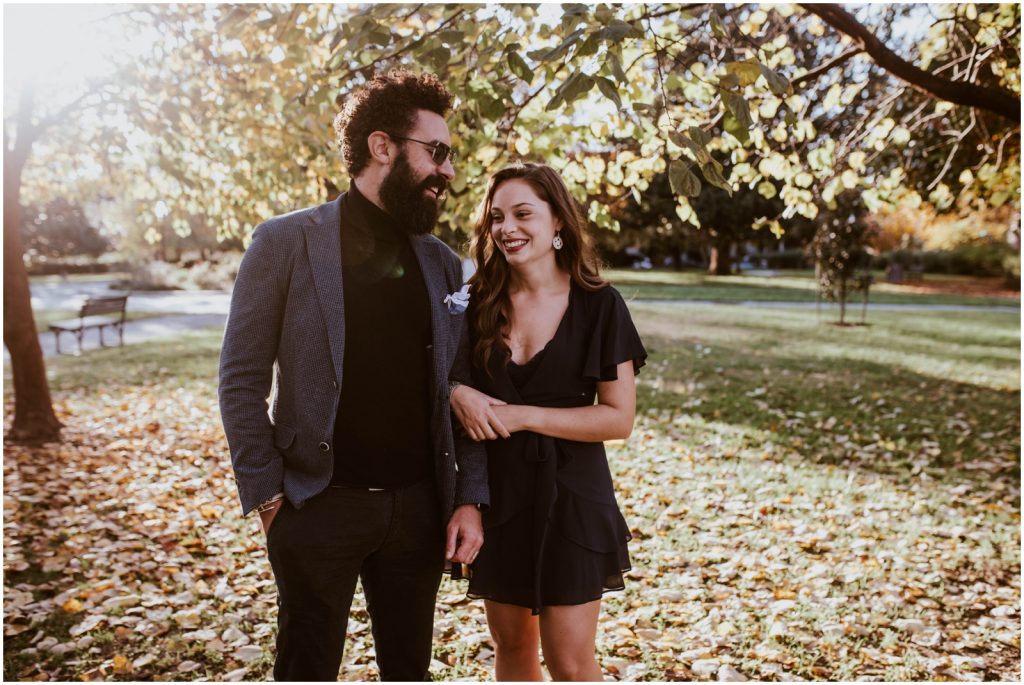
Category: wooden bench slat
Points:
column 101, row 308
column 84, row 322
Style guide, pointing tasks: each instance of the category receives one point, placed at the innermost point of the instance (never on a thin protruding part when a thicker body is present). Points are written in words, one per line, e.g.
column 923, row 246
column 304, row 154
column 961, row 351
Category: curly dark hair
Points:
column 387, row 103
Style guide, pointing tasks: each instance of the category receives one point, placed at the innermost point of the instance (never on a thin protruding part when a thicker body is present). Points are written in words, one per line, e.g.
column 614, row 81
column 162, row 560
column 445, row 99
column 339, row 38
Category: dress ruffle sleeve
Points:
column 613, row 338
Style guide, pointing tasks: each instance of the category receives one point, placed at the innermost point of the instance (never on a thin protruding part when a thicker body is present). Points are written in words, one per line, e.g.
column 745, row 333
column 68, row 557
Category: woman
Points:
column 547, row 335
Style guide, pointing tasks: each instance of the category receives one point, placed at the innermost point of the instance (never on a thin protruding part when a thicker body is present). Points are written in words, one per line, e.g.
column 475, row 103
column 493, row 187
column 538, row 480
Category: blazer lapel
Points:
column 323, row 249
column 432, row 266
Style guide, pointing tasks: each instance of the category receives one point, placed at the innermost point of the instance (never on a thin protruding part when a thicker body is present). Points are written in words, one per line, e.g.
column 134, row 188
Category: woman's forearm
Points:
column 595, row 423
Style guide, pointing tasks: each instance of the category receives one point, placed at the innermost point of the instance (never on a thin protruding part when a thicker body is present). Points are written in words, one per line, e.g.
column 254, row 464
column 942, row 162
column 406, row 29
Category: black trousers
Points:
column 393, row 541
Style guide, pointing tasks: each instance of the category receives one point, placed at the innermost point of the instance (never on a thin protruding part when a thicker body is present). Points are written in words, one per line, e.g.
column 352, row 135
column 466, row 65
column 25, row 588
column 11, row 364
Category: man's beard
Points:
column 403, row 198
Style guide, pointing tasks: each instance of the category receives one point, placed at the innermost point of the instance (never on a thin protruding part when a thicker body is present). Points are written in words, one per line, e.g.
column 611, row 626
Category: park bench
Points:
column 92, row 315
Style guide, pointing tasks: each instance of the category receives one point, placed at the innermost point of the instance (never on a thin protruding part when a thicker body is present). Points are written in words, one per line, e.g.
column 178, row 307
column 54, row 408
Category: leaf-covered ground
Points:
column 807, row 502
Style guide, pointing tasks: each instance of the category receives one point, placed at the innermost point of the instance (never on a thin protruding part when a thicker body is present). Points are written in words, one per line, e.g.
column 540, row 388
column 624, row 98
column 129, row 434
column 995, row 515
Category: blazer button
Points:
column 324, row 447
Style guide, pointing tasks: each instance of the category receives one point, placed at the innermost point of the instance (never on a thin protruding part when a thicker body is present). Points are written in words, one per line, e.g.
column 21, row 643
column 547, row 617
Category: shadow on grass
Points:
column 892, row 400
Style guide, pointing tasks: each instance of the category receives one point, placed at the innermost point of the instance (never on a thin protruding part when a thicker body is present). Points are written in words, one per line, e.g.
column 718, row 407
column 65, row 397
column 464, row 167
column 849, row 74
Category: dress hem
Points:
column 545, row 606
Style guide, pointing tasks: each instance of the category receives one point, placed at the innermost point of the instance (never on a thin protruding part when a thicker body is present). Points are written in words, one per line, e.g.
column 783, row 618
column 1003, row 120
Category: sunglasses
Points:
column 439, row 152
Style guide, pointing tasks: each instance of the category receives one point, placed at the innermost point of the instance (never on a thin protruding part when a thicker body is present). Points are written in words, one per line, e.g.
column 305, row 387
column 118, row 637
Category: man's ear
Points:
column 381, row 147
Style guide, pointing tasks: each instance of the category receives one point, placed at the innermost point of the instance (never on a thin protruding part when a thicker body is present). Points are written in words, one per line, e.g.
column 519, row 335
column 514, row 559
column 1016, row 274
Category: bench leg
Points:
column 102, row 343
column 56, row 340
column 120, row 333
column 79, row 334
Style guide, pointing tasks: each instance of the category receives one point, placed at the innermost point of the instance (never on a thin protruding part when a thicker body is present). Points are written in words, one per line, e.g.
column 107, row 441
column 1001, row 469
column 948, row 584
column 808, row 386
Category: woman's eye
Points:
column 522, row 216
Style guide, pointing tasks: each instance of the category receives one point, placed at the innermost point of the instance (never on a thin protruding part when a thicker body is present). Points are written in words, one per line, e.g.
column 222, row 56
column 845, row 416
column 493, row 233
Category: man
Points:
column 341, row 310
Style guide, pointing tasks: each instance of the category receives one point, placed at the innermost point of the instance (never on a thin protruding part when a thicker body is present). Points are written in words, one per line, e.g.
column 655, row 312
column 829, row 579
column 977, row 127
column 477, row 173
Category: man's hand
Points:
column 267, row 517
column 465, row 535
column 475, row 411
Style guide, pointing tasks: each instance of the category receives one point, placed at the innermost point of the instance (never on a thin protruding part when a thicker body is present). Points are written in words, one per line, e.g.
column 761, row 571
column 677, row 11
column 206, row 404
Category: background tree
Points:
column 60, row 229
column 842, row 262
column 30, row 122
column 34, row 418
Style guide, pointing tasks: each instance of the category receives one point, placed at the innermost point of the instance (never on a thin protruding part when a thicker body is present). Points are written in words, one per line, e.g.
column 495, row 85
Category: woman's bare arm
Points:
column 610, row 419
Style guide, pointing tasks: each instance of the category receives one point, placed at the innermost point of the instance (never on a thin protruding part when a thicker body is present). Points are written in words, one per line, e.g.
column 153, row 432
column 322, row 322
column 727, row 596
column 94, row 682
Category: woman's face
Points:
column 522, row 224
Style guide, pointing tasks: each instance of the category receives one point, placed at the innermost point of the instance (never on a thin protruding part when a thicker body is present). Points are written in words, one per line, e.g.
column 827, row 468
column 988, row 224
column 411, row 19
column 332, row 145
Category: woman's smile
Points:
column 514, row 245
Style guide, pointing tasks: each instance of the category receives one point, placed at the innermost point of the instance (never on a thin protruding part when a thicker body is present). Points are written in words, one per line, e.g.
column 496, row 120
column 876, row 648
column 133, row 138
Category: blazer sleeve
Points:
column 470, row 456
column 246, row 371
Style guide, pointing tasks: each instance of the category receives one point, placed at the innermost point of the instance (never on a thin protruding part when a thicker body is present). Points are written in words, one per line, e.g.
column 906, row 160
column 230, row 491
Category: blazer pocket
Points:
column 284, row 436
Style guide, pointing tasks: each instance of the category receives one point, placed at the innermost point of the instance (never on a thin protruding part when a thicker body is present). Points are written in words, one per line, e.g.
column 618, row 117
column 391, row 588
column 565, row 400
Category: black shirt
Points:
column 382, row 431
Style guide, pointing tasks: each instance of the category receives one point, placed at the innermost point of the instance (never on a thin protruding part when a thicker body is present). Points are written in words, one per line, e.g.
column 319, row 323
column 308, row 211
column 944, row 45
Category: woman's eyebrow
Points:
column 519, row 204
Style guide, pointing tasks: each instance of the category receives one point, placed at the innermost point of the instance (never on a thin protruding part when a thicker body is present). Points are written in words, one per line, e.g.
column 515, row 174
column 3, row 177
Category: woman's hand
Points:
column 476, row 412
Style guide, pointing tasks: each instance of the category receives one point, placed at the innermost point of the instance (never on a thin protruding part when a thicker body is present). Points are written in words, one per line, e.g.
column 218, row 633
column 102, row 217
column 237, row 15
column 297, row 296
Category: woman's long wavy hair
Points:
column 489, row 286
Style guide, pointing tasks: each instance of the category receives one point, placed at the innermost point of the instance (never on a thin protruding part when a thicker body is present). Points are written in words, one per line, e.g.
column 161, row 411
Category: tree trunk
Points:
column 34, row 418
column 720, row 263
column 842, row 300
column 677, row 258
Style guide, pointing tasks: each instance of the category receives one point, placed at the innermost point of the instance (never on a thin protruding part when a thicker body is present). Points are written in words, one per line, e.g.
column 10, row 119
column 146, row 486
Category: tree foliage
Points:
column 842, row 262
column 237, row 103
column 60, row 229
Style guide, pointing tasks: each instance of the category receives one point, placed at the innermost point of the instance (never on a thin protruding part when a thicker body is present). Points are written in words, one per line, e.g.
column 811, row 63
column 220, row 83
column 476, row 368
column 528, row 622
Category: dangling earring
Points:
column 557, row 242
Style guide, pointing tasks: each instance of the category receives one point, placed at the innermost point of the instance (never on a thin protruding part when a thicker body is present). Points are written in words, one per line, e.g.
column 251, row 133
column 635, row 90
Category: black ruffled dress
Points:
column 554, row 534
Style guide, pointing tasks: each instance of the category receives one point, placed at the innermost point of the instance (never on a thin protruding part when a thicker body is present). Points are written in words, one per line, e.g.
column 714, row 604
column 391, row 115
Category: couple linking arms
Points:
column 343, row 314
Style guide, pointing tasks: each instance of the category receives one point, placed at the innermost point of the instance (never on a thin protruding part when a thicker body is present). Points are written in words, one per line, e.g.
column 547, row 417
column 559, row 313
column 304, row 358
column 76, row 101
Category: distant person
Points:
column 342, row 314
column 548, row 335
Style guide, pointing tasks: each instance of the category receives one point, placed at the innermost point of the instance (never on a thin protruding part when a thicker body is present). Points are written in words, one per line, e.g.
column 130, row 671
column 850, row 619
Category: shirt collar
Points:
column 368, row 214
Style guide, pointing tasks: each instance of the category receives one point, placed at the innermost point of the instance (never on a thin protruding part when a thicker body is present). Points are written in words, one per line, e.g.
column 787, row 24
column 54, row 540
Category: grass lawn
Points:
column 786, row 286
column 806, row 501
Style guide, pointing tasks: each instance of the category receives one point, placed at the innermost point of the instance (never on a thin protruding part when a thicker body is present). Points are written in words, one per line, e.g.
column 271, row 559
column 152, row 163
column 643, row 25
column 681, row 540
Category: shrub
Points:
column 217, row 273
column 108, row 263
column 795, row 258
column 975, row 259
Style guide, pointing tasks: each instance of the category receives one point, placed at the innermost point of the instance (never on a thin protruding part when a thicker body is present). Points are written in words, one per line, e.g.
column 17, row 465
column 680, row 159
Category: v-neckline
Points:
column 561, row 322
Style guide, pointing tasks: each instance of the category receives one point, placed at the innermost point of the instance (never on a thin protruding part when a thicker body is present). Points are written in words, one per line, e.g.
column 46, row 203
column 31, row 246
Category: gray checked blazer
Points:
column 285, row 342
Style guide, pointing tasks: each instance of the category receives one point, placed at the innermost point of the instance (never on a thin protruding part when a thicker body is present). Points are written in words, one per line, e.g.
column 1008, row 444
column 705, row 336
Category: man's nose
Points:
column 447, row 170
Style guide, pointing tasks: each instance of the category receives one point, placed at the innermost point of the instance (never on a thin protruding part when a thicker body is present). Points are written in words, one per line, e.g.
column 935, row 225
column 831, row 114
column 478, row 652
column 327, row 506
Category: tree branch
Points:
column 343, row 79
column 64, row 111
column 990, row 99
column 827, row 66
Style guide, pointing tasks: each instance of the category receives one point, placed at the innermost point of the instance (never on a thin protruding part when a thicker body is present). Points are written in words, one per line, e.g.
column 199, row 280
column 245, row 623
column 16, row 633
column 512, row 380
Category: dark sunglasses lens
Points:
column 441, row 153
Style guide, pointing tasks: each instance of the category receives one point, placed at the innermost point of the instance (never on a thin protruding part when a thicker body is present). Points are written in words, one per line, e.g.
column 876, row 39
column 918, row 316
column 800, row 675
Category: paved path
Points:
column 70, row 296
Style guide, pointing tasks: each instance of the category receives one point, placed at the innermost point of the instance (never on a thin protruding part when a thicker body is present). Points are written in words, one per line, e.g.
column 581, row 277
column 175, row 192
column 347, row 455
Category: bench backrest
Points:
column 103, row 305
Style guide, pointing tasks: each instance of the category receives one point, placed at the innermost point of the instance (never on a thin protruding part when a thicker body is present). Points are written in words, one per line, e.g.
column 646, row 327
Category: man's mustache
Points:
column 438, row 182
